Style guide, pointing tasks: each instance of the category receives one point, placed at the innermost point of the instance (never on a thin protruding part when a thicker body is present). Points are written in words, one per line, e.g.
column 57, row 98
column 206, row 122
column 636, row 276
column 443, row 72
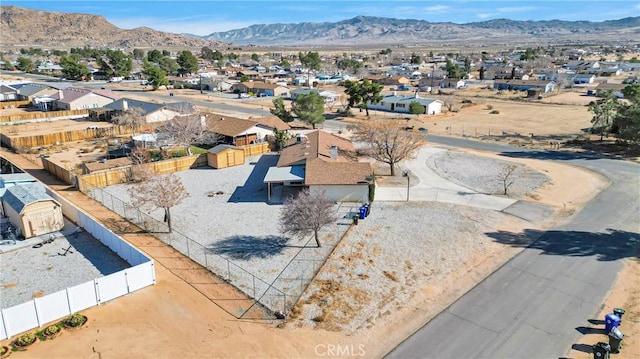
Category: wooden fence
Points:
column 256, row 149
column 13, row 104
column 58, row 171
column 62, row 137
column 123, row 174
column 41, row 115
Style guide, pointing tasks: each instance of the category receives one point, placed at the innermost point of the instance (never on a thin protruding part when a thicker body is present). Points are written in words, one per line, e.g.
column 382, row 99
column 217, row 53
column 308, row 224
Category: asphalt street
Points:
column 533, row 306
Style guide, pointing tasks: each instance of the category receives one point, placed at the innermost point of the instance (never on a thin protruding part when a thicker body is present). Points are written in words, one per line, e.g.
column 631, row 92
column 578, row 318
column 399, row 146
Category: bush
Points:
column 489, row 107
column 51, row 330
column 494, row 112
column 75, row 320
column 25, row 339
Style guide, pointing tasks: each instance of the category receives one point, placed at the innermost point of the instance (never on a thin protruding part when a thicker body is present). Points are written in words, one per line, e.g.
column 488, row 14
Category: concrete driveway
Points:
column 434, row 188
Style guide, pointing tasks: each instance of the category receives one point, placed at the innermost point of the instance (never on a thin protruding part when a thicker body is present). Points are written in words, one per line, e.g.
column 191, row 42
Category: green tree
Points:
column 244, row 78
column 166, row 53
column 188, row 62
column 58, row 52
column 310, row 60
column 169, row 65
column 627, row 120
column 206, row 53
column 72, row 68
column 309, row 108
column 255, row 57
column 25, row 64
column 115, row 63
column 415, row 59
column 217, row 56
column 155, row 75
column 453, row 70
column 604, row 110
column 349, row 64
column 138, row 54
column 467, row 65
column 284, row 63
column 281, row 137
column 154, row 56
column 416, row 108
column 482, row 70
column 361, row 94
column 280, row 111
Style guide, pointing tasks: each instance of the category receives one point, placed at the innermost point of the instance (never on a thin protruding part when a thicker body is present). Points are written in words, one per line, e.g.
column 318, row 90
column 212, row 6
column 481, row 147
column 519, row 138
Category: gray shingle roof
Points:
column 17, row 197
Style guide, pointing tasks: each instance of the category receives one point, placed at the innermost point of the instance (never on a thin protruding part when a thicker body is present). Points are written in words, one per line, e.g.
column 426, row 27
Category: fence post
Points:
column 228, row 271
column 254, row 285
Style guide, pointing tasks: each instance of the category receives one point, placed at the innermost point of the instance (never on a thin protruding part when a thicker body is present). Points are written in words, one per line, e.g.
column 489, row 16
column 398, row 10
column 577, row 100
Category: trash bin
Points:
column 355, row 219
column 615, row 340
column 362, row 212
column 601, row 350
column 619, row 312
column 366, row 213
column 611, row 320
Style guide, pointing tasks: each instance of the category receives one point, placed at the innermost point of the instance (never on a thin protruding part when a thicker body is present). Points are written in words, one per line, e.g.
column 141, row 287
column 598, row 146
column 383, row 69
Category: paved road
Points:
column 533, row 305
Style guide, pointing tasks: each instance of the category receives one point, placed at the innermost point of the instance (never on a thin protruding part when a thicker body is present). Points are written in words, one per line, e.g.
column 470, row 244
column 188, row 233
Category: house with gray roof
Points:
column 152, row 112
column 31, row 210
column 399, row 103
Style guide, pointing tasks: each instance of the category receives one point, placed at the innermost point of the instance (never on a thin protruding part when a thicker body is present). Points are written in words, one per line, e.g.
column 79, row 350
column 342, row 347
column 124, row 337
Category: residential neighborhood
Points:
column 320, row 200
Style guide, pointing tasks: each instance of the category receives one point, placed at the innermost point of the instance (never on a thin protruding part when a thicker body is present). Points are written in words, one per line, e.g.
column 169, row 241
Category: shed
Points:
column 222, row 156
column 32, row 210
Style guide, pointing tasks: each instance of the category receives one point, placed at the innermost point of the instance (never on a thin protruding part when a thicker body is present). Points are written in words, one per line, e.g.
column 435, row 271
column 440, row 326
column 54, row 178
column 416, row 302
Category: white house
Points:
column 400, row 104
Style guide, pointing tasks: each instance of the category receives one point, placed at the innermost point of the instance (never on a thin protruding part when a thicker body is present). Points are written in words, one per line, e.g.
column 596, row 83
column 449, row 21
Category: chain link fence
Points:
column 279, row 295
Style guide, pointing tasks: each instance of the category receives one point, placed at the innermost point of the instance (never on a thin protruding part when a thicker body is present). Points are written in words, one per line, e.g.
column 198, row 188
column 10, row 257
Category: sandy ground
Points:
column 190, row 307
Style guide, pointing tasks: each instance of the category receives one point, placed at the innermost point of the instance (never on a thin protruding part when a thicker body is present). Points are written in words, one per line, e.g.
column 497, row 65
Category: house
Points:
column 329, row 96
column 260, row 88
column 520, row 85
column 75, row 99
column 8, row 93
column 400, row 104
column 152, row 112
column 584, row 79
column 29, row 91
column 222, row 156
column 239, row 132
column 31, row 210
column 616, row 88
column 250, row 74
column 452, row 83
column 322, row 162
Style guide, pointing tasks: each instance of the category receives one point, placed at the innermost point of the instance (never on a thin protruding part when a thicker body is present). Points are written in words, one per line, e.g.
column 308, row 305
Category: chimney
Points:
column 334, row 152
column 125, row 105
column 60, row 95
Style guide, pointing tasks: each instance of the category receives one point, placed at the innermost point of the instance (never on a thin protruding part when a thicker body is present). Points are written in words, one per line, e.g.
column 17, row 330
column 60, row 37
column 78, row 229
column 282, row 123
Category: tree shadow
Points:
column 254, row 189
column 590, row 330
column 608, row 246
column 250, row 247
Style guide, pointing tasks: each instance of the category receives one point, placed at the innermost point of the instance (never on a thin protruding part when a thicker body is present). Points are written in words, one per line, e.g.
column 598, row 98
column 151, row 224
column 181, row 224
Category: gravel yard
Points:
column 227, row 214
column 29, row 272
column 485, row 175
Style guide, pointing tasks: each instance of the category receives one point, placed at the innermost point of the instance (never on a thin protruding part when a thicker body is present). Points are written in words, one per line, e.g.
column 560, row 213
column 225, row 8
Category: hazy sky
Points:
column 204, row 17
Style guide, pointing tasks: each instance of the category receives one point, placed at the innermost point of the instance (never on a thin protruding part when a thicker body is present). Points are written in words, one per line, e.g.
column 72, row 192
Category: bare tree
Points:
column 387, row 141
column 188, row 130
column 450, row 103
column 139, row 172
column 132, row 117
column 161, row 191
column 307, row 213
column 505, row 177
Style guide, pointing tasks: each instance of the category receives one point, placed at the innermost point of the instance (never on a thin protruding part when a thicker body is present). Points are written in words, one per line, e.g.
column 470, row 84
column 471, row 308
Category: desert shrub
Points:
column 75, row 320
column 467, row 101
column 51, row 330
column 494, row 112
column 25, row 339
column 489, row 107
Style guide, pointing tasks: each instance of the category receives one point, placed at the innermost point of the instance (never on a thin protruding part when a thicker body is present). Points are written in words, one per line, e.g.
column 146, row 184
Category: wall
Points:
column 12, row 104
column 40, row 311
column 62, row 137
column 343, row 193
column 48, row 114
column 56, row 170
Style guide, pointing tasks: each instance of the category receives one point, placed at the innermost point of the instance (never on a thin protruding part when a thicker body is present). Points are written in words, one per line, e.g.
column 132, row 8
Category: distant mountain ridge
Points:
column 20, row 27
column 362, row 30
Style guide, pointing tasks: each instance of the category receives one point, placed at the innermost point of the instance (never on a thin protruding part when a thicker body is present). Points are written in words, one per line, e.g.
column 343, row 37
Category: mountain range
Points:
column 21, row 27
column 362, row 30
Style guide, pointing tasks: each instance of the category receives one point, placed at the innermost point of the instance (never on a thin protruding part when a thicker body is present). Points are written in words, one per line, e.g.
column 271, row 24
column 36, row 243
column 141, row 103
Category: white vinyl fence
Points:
column 39, row 311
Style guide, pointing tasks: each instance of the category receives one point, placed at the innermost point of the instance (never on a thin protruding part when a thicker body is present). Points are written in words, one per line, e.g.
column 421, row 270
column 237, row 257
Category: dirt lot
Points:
column 195, row 306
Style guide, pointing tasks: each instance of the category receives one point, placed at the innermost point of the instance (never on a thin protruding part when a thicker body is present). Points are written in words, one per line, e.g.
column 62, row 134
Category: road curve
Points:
column 533, row 306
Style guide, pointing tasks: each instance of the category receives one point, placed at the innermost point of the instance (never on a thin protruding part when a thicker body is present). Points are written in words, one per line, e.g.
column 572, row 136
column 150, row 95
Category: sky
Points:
column 206, row 16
